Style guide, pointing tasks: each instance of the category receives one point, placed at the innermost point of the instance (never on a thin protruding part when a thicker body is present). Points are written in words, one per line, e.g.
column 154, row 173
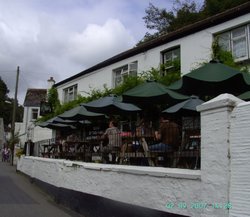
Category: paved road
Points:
column 20, row 198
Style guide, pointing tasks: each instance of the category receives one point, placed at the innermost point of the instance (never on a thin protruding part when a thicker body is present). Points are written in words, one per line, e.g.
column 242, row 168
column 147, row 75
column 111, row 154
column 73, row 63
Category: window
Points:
column 34, row 114
column 70, row 93
column 171, row 55
column 171, row 60
column 124, row 71
column 236, row 41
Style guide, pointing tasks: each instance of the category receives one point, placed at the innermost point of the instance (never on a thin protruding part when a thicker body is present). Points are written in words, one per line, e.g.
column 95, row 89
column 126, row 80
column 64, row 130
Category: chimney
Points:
column 51, row 82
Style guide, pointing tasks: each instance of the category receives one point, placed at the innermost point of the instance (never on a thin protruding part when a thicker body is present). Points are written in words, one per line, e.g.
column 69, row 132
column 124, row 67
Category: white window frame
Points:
column 70, row 93
column 126, row 70
column 231, row 40
column 34, row 114
column 172, row 55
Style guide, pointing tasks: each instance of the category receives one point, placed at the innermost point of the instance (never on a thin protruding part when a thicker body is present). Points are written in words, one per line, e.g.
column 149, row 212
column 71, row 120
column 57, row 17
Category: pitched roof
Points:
column 34, row 97
column 187, row 30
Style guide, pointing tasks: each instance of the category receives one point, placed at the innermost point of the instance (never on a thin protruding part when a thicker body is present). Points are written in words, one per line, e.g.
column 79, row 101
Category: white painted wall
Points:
column 143, row 186
column 215, row 151
column 240, row 161
column 195, row 49
column 28, row 130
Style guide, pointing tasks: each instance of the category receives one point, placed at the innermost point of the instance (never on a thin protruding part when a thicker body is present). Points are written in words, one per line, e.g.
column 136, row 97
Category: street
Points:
column 20, row 198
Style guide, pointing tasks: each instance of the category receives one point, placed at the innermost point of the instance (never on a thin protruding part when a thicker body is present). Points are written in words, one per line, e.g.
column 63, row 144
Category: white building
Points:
column 192, row 44
column 27, row 129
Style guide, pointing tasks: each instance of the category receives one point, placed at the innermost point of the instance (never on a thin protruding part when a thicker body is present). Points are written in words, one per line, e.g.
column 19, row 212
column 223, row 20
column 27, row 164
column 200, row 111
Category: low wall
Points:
column 162, row 189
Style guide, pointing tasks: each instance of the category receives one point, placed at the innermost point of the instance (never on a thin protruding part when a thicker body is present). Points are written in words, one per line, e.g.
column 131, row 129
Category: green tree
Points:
column 3, row 91
column 53, row 98
column 160, row 21
column 6, row 105
column 212, row 7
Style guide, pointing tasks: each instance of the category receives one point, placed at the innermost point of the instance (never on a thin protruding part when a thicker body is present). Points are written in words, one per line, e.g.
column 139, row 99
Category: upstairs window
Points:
column 34, row 114
column 236, row 41
column 171, row 59
column 122, row 72
column 70, row 93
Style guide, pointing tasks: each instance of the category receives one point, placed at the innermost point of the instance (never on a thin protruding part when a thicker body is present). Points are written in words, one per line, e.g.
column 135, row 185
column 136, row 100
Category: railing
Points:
column 132, row 150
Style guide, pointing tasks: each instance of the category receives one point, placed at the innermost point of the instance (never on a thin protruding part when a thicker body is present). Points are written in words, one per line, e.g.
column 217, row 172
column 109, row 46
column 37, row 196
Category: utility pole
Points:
column 14, row 118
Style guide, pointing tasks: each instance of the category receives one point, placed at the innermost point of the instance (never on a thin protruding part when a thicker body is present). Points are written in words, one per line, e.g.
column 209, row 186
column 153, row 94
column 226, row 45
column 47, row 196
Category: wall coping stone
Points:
column 223, row 100
column 135, row 170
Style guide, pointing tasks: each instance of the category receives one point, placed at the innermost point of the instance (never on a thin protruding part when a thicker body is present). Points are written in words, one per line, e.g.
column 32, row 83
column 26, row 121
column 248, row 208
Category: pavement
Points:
column 20, row 198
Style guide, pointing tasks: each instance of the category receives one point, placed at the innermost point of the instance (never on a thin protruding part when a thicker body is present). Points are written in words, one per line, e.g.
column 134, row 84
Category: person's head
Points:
column 113, row 123
column 163, row 119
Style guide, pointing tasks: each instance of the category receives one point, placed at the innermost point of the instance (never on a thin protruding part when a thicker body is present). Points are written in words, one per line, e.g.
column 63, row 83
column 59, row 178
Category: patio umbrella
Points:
column 74, row 122
column 54, row 124
column 111, row 105
column 187, row 107
column 245, row 96
column 151, row 92
column 80, row 113
column 212, row 79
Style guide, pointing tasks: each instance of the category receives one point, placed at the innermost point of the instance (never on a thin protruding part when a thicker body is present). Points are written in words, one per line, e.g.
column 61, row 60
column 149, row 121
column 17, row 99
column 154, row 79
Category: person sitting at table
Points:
column 167, row 136
column 114, row 141
column 143, row 130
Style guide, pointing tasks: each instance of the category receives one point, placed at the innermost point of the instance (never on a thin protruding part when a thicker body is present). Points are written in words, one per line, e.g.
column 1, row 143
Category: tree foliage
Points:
column 212, row 7
column 164, row 73
column 160, row 21
column 6, row 105
column 53, row 98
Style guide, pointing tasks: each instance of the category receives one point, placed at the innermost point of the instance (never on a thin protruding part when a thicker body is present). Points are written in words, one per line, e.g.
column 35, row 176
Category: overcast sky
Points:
column 60, row 38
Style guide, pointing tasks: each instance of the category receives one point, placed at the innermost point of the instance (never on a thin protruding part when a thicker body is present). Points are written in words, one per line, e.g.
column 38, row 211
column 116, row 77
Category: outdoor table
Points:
column 50, row 150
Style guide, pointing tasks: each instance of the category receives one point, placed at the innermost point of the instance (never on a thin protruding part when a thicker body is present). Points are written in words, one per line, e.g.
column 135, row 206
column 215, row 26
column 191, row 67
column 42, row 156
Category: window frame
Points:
column 173, row 58
column 124, row 71
column 69, row 92
column 34, row 114
column 232, row 41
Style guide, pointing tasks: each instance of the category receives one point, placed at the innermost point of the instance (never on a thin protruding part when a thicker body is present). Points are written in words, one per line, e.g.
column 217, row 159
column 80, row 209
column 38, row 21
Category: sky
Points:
column 61, row 38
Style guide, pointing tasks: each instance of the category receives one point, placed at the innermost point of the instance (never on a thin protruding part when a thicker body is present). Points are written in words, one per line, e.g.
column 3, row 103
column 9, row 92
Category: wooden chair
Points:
column 185, row 150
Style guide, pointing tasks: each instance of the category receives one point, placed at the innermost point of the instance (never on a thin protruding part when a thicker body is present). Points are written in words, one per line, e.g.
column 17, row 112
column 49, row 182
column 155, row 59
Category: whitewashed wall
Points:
column 215, row 153
column 143, row 186
column 195, row 49
column 28, row 130
column 240, row 161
